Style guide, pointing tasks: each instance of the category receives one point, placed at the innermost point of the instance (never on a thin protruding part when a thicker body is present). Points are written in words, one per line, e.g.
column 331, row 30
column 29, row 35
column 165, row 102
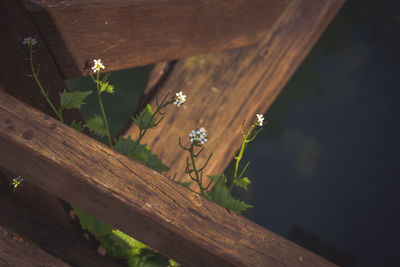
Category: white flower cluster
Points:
column 180, row 99
column 97, row 65
column 198, row 135
column 260, row 119
column 29, row 40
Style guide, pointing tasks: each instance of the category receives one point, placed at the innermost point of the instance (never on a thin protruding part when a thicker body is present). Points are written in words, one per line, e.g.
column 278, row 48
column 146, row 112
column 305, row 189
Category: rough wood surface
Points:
column 131, row 33
column 225, row 88
column 37, row 214
column 131, row 197
column 15, row 251
column 33, row 224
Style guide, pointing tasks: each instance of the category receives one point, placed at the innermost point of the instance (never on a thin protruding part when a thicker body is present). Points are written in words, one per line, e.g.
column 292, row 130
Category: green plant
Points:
column 221, row 191
column 218, row 189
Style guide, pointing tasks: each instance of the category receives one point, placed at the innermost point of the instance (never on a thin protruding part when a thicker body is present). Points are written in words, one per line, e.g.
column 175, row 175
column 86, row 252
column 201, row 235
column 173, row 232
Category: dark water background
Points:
column 328, row 161
column 325, row 169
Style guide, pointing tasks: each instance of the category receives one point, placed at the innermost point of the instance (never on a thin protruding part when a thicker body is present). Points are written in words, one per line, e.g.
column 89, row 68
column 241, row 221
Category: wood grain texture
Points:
column 14, row 251
column 225, row 88
column 15, row 24
column 132, row 32
column 20, row 213
column 37, row 214
column 131, row 197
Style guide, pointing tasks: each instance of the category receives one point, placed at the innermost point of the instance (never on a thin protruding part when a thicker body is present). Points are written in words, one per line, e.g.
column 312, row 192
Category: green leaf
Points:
column 124, row 145
column 148, row 258
column 96, row 125
column 173, row 263
column 119, row 245
column 154, row 163
column 106, row 87
column 145, row 120
column 71, row 100
column 220, row 194
column 77, row 125
column 242, row 182
column 142, row 153
column 185, row 184
column 92, row 224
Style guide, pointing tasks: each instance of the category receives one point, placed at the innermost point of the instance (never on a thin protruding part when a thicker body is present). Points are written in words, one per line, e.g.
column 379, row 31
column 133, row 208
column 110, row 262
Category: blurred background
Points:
column 324, row 169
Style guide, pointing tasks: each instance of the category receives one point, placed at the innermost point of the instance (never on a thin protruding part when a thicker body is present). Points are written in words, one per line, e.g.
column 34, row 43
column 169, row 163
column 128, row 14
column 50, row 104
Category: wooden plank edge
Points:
column 37, row 215
column 150, row 207
column 146, row 32
column 15, row 251
column 241, row 83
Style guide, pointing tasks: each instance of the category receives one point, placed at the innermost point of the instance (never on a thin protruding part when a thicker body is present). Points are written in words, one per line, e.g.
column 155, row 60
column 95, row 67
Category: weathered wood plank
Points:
column 37, row 214
column 123, row 193
column 14, row 251
column 131, row 33
column 32, row 223
column 225, row 88
column 15, row 24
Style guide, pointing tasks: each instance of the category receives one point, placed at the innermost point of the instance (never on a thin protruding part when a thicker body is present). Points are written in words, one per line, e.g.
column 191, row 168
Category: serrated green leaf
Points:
column 242, row 182
column 142, row 153
column 173, row 263
column 124, row 145
column 71, row 100
column 155, row 163
column 185, row 184
column 119, row 245
column 220, row 194
column 106, row 87
column 77, row 125
column 145, row 120
column 92, row 224
column 96, row 125
column 148, row 258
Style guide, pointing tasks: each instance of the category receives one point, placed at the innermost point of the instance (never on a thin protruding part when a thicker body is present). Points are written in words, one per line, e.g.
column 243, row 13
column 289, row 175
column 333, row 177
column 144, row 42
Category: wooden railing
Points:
column 224, row 88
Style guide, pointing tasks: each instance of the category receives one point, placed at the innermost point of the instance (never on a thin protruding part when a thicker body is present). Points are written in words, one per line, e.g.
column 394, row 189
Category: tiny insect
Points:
column 16, row 182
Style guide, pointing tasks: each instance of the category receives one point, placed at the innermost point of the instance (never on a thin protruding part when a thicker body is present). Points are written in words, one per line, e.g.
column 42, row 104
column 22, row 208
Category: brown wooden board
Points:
column 37, row 214
column 15, row 251
column 131, row 33
column 225, row 88
column 32, row 224
column 15, row 24
column 131, row 197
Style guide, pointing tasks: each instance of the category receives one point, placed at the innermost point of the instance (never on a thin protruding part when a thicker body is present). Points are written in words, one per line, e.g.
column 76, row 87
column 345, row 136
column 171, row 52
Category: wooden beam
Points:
column 225, row 88
column 131, row 33
column 36, row 214
column 20, row 213
column 15, row 24
column 131, row 197
column 15, row 251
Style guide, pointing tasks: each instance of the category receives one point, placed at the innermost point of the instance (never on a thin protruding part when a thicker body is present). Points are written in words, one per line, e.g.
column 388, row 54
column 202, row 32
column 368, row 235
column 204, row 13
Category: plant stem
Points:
column 238, row 158
column 198, row 180
column 42, row 91
column 142, row 132
column 102, row 110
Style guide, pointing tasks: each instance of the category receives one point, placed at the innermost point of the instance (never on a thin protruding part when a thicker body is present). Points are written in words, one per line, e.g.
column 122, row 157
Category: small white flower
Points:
column 199, row 136
column 260, row 119
column 180, row 99
column 97, row 65
column 29, row 41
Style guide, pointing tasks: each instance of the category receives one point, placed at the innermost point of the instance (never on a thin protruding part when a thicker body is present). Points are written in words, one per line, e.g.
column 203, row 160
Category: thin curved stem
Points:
column 102, row 109
column 147, row 126
column 35, row 76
